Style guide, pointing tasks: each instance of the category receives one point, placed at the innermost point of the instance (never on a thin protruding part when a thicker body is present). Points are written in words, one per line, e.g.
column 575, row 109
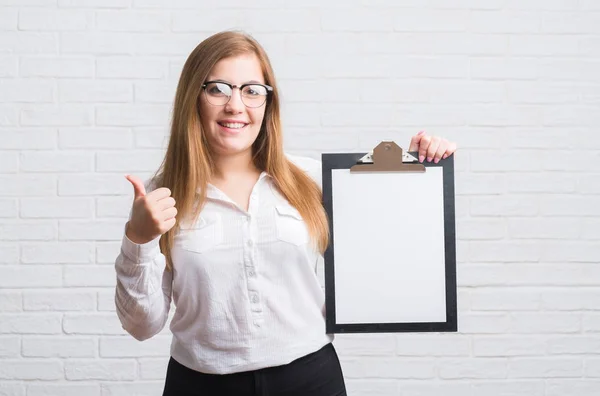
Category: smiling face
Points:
column 231, row 129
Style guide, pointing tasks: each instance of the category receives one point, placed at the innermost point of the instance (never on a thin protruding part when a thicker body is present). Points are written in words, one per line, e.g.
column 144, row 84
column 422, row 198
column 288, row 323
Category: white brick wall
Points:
column 85, row 93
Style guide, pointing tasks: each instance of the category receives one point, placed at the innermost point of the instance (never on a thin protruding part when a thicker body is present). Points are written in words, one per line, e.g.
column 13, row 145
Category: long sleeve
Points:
column 143, row 290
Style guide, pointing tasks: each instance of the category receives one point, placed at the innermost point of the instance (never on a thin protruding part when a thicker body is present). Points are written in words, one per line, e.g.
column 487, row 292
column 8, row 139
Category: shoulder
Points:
column 309, row 165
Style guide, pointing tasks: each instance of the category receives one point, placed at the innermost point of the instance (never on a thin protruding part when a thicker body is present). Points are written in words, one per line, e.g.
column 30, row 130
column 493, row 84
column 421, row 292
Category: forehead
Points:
column 238, row 69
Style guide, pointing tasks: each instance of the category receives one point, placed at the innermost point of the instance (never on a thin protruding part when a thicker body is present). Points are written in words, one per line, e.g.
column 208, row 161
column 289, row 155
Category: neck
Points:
column 227, row 166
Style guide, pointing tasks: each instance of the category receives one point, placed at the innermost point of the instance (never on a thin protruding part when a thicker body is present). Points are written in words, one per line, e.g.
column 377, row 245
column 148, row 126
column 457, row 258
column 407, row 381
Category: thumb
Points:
column 138, row 186
column 415, row 141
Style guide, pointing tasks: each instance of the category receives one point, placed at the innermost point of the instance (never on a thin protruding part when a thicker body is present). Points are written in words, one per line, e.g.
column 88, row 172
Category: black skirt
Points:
column 316, row 374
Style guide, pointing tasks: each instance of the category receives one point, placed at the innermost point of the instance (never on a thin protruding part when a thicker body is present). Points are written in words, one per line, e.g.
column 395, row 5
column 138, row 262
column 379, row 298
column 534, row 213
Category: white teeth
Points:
column 233, row 125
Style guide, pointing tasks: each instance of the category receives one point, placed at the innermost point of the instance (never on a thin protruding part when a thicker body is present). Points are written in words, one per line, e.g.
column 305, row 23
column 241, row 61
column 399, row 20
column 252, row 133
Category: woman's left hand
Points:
column 434, row 148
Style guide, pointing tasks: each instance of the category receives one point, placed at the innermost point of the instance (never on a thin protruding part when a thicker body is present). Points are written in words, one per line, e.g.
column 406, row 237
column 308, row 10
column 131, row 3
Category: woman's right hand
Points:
column 152, row 214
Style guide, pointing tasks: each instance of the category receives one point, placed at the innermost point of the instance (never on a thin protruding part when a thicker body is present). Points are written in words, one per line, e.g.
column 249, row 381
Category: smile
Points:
column 232, row 125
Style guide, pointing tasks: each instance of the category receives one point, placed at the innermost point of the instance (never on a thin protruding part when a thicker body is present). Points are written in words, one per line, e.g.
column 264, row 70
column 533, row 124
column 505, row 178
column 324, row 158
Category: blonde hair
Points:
column 188, row 163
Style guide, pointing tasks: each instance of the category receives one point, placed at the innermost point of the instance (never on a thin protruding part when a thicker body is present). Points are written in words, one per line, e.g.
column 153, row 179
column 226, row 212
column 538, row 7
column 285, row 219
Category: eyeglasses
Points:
column 219, row 93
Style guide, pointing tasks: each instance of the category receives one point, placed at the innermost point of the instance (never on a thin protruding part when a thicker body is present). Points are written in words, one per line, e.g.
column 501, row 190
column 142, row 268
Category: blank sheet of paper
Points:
column 389, row 246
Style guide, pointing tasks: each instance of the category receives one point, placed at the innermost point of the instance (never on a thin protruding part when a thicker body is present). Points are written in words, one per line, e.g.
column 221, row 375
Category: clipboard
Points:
column 391, row 262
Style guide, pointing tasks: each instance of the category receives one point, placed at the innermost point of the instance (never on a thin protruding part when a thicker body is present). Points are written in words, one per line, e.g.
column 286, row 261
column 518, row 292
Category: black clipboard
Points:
column 387, row 158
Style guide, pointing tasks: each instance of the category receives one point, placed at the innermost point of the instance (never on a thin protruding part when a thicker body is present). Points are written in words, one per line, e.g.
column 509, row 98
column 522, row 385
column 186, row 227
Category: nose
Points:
column 235, row 104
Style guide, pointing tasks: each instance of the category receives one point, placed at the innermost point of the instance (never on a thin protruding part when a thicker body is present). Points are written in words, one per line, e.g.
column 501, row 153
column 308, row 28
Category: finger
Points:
column 414, row 142
column 435, row 143
column 423, row 147
column 170, row 213
column 440, row 151
column 138, row 186
column 159, row 194
column 450, row 150
column 166, row 203
column 169, row 224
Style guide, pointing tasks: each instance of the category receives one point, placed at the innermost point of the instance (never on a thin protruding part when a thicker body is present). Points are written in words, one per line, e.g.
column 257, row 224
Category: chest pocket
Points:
column 204, row 235
column 290, row 226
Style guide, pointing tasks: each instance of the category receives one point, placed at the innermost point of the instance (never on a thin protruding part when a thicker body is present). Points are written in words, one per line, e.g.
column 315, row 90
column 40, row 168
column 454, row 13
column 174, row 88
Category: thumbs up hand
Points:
column 152, row 214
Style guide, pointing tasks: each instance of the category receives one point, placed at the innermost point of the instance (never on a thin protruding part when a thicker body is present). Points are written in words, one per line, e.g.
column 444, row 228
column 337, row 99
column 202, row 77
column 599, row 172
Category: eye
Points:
column 254, row 90
column 218, row 89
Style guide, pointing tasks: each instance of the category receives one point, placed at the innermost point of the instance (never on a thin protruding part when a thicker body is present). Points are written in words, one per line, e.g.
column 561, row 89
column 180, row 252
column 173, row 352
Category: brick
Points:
column 89, row 276
column 569, row 205
column 154, row 92
column 93, row 185
column 59, row 347
column 371, row 367
column 540, row 323
column 113, row 207
column 543, row 45
column 27, row 138
column 130, row 68
column 106, row 300
column 27, row 185
column 505, row 299
column 30, row 276
column 25, row 90
column 590, row 228
column 56, row 162
column 29, row 230
column 557, row 69
column 481, row 368
column 10, row 252
column 591, row 323
column 151, row 388
column 29, row 370
column 94, row 3
column 22, row 42
column 153, row 369
column 59, row 300
column 503, row 345
column 591, row 367
column 431, row 20
column 371, row 20
column 111, row 370
column 483, row 323
column 151, row 137
column 8, row 209
column 570, row 22
column 485, row 229
column 57, row 252
column 11, row 301
column 53, row 115
column 92, row 323
column 95, row 138
column 571, row 300
column 85, row 230
column 63, row 389
column 512, row 387
column 547, row 182
column 19, row 323
column 96, row 43
column 544, row 228
column 56, row 207
column 56, row 67
column 574, row 344
column 10, row 347
column 107, row 252
column 8, row 66
column 360, row 387
column 367, row 345
column 132, row 21
column 54, row 20
column 153, row 44
column 579, row 387
column 9, row 162
column 141, row 161
column 480, row 184
column 95, row 92
column 132, row 115
column 505, row 251
column 12, row 389
column 121, row 347
column 424, row 345
column 504, row 21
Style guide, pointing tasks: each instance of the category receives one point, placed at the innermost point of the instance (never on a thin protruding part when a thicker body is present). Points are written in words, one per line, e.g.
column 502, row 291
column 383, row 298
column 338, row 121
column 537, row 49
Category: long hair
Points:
column 188, row 163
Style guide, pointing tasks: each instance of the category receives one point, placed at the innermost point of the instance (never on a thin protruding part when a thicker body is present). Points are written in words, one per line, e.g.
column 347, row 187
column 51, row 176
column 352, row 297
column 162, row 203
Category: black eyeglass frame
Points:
column 241, row 87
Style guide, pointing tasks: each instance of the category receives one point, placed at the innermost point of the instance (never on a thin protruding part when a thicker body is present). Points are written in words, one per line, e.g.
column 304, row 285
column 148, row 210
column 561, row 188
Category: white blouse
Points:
column 244, row 284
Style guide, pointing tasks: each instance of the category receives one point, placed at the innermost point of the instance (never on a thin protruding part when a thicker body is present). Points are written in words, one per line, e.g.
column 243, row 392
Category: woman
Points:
column 231, row 228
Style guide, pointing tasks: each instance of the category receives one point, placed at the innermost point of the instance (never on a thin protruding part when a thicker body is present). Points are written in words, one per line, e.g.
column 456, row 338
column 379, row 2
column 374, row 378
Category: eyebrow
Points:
column 225, row 81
